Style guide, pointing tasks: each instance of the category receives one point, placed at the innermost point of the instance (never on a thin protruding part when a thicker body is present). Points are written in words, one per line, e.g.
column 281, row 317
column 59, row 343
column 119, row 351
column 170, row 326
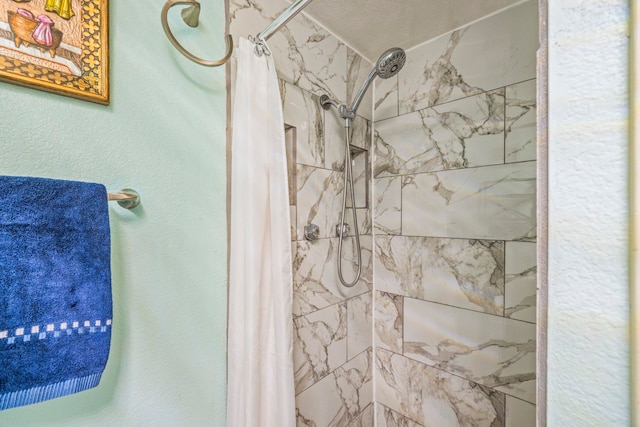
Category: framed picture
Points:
column 60, row 46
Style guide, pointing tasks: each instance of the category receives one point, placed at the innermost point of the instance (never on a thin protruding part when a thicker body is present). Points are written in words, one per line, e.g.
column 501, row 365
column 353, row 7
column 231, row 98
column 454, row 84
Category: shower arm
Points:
column 363, row 89
column 286, row 16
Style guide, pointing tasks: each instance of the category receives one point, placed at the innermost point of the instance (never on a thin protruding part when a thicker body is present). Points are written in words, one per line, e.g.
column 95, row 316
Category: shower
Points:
column 388, row 65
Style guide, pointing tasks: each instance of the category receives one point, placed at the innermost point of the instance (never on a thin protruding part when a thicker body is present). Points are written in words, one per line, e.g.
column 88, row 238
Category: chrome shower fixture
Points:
column 388, row 65
column 343, row 111
column 390, row 62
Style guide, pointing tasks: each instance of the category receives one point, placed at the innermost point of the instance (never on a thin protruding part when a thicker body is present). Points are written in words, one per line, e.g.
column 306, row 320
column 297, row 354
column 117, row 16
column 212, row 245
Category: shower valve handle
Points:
column 311, row 232
column 343, row 229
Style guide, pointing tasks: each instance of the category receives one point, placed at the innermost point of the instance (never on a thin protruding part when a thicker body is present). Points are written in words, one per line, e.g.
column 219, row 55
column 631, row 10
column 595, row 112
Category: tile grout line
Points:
column 458, row 376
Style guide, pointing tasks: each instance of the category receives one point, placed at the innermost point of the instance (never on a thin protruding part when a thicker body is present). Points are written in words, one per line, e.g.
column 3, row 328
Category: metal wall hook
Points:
column 190, row 16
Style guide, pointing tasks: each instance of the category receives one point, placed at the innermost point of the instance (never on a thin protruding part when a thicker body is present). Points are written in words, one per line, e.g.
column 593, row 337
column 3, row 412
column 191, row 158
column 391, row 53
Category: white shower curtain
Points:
column 260, row 357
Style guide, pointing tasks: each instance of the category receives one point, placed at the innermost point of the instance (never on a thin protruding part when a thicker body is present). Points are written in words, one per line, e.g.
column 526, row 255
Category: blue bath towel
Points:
column 55, row 288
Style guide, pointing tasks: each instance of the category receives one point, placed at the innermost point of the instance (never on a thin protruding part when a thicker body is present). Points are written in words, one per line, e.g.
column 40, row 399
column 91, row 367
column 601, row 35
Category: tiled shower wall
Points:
column 454, row 206
column 455, row 230
column 332, row 324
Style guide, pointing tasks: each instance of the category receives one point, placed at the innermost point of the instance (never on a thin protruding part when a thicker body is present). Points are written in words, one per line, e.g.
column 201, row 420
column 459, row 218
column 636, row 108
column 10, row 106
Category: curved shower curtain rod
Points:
column 191, row 14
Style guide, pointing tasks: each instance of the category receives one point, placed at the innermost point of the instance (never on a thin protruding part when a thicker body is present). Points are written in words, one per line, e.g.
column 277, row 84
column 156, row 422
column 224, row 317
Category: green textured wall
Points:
column 164, row 135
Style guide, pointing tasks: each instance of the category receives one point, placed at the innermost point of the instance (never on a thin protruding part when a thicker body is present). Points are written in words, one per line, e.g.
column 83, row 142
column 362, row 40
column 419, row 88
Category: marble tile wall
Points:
column 492, row 53
column 454, row 229
column 453, row 197
column 332, row 324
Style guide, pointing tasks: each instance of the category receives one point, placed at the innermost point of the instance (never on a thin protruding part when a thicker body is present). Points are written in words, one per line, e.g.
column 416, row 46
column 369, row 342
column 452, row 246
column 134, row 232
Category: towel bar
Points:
column 190, row 17
column 127, row 198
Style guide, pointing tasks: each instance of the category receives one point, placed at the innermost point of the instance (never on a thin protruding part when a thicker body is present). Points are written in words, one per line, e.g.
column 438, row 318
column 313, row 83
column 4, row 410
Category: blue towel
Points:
column 55, row 288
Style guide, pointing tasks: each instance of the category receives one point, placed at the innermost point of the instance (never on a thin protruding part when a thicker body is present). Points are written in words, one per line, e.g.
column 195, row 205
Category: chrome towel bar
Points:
column 127, row 198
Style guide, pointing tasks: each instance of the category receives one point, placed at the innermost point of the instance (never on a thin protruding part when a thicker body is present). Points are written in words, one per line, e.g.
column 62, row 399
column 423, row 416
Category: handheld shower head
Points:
column 390, row 62
column 388, row 65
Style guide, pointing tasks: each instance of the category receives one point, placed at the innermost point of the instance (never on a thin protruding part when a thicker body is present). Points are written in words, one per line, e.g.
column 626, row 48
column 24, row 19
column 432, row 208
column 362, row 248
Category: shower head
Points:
column 390, row 62
column 388, row 65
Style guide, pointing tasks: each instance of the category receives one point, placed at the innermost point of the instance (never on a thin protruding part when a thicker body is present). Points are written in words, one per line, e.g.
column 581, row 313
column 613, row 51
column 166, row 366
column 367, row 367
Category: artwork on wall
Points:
column 60, row 46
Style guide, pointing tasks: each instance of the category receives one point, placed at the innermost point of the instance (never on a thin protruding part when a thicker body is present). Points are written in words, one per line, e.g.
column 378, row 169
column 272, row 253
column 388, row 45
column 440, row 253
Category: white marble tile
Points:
column 388, row 321
column 294, row 249
column 359, row 136
column 520, row 112
column 359, row 324
column 364, row 221
column 468, row 132
column 433, row 397
column 315, row 278
column 357, row 71
column 302, row 111
column 520, row 281
column 365, row 419
column 386, row 98
column 493, row 351
column 339, row 398
column 313, row 59
column 389, row 418
column 430, row 78
column 492, row 202
column 403, row 145
column 319, row 199
column 305, row 54
column 320, row 345
column 350, row 262
column 249, row 17
column 387, row 205
column 519, row 413
column 457, row 272
column 494, row 52
column 464, row 133
column 293, row 217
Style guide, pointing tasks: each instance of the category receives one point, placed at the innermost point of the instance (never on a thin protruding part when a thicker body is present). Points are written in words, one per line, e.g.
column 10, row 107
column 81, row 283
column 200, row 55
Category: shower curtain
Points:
column 260, row 357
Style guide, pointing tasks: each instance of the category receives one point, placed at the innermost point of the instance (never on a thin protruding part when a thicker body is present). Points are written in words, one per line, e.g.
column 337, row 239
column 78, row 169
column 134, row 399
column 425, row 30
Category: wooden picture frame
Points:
column 59, row 46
